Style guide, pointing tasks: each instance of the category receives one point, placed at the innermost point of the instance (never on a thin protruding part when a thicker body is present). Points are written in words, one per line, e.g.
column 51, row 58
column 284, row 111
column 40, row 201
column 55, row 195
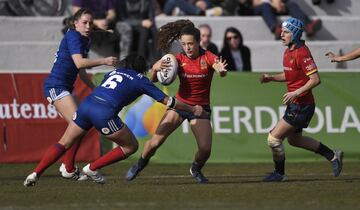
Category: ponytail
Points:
column 169, row 32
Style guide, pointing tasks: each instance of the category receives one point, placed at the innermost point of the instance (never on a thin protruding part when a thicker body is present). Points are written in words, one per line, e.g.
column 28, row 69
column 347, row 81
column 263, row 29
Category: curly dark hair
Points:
column 135, row 62
column 172, row 31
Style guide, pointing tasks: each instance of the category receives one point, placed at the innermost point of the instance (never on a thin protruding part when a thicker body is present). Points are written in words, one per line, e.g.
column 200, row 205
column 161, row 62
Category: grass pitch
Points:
column 233, row 186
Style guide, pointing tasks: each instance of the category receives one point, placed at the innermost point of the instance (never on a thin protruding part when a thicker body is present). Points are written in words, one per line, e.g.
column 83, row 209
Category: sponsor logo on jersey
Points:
column 105, row 130
column 49, row 100
column 203, row 64
column 184, row 75
column 307, row 59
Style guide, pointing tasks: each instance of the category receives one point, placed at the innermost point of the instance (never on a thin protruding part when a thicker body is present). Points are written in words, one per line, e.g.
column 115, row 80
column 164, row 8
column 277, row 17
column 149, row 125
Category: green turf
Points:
column 233, row 186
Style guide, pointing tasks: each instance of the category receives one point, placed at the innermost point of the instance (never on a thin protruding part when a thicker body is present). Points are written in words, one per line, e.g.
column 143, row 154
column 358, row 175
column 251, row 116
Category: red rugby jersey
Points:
column 298, row 65
column 195, row 77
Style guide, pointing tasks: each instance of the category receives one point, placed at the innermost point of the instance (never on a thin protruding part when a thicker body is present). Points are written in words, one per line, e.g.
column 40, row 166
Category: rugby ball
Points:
column 168, row 75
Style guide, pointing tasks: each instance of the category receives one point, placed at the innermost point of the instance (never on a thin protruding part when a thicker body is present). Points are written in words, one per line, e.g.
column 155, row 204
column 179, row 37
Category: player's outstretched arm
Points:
column 265, row 78
column 172, row 102
column 83, row 63
column 347, row 57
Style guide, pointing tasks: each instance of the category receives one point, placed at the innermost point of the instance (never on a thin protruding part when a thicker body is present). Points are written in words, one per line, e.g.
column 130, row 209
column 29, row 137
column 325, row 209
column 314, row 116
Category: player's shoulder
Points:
column 303, row 51
column 134, row 75
column 71, row 33
column 210, row 57
column 180, row 56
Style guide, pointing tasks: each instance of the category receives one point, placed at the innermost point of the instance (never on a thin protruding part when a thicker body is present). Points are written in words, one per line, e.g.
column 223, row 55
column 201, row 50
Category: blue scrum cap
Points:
column 295, row 26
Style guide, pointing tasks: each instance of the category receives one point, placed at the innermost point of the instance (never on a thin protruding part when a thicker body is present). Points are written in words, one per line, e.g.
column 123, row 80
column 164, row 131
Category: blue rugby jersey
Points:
column 122, row 86
column 64, row 71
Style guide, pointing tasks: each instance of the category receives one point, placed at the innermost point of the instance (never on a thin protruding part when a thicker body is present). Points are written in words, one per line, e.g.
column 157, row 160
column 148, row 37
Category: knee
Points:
column 135, row 146
column 276, row 145
column 132, row 148
column 123, row 28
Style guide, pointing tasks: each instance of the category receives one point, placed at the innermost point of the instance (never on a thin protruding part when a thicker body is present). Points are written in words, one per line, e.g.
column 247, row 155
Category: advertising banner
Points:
column 244, row 111
column 29, row 124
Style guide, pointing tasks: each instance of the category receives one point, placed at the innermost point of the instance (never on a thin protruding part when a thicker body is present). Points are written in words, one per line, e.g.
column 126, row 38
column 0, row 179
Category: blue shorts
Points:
column 55, row 93
column 94, row 112
column 299, row 115
column 190, row 116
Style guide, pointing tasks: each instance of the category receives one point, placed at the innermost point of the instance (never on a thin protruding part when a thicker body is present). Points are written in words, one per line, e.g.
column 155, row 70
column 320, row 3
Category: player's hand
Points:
column 110, row 61
column 161, row 64
column 198, row 110
column 220, row 65
column 289, row 97
column 265, row 78
column 332, row 57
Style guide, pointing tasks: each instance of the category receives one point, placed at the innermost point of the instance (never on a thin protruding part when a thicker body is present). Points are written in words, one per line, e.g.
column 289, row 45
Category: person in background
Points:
column 205, row 39
column 158, row 7
column 301, row 75
column 115, row 35
column 235, row 52
column 317, row 2
column 238, row 7
column 100, row 110
column 140, row 16
column 71, row 60
column 192, row 7
column 269, row 9
column 103, row 11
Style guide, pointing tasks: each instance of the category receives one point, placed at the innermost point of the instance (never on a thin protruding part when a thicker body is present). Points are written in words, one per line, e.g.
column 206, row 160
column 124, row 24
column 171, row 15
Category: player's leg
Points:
column 66, row 106
column 308, row 143
column 72, row 134
column 303, row 115
column 127, row 145
column 170, row 121
column 203, row 135
column 275, row 142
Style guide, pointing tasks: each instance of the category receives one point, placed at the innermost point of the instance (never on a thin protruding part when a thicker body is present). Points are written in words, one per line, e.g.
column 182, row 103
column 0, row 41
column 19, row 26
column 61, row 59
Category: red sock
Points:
column 113, row 156
column 69, row 157
column 52, row 154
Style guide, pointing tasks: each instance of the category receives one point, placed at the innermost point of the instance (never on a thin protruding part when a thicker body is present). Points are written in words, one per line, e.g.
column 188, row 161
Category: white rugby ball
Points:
column 168, row 75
